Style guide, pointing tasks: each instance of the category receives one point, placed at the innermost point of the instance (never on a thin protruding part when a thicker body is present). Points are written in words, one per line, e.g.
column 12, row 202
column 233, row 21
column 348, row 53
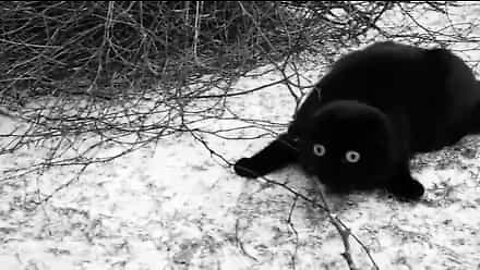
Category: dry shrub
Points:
column 93, row 45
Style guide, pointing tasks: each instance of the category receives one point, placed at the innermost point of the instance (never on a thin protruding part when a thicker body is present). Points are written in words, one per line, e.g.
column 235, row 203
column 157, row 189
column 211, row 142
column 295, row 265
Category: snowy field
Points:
column 176, row 206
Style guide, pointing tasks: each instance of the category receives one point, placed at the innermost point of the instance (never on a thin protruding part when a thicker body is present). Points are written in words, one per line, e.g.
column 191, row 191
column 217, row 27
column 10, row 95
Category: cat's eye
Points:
column 319, row 150
column 352, row 156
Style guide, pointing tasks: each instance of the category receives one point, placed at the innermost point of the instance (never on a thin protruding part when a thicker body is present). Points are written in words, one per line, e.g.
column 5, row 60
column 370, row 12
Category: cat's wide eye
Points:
column 352, row 156
column 319, row 150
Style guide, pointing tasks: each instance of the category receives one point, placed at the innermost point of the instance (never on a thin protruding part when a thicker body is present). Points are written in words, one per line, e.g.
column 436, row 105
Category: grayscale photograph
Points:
column 240, row 135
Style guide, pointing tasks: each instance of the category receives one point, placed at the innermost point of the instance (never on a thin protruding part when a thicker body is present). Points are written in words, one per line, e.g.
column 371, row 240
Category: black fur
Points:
column 382, row 105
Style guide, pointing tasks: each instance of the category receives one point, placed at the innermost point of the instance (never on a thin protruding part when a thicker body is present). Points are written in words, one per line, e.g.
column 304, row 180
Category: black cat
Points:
column 376, row 108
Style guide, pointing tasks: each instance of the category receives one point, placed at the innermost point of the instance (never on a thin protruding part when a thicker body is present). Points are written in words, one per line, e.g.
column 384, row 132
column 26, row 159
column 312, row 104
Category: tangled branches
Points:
column 85, row 76
column 93, row 45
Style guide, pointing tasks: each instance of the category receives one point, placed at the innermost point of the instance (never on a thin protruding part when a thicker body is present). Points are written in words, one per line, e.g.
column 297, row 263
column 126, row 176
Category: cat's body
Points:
column 376, row 108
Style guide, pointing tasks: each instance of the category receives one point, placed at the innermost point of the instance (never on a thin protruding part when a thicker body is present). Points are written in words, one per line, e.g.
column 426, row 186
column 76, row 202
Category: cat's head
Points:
column 349, row 146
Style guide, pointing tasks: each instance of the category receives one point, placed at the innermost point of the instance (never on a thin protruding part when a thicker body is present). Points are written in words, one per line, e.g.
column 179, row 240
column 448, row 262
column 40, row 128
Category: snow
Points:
column 175, row 206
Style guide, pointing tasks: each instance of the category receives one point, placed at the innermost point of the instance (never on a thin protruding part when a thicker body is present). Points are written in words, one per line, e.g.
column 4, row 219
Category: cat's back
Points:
column 380, row 75
column 383, row 75
column 432, row 91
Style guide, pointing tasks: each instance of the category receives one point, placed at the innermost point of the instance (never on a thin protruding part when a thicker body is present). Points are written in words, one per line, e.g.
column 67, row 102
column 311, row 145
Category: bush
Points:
column 95, row 44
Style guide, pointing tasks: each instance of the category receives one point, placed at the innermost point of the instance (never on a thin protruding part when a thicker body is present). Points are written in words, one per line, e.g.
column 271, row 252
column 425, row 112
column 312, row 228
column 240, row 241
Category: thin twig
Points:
column 291, row 227
column 240, row 243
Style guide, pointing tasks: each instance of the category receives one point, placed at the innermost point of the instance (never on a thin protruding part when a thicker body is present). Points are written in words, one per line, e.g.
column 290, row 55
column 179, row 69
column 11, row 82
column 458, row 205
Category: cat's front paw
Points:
column 407, row 190
column 246, row 168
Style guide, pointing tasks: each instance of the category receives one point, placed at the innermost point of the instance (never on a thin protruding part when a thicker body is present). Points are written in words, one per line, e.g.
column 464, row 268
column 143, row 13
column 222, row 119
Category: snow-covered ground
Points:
column 175, row 206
